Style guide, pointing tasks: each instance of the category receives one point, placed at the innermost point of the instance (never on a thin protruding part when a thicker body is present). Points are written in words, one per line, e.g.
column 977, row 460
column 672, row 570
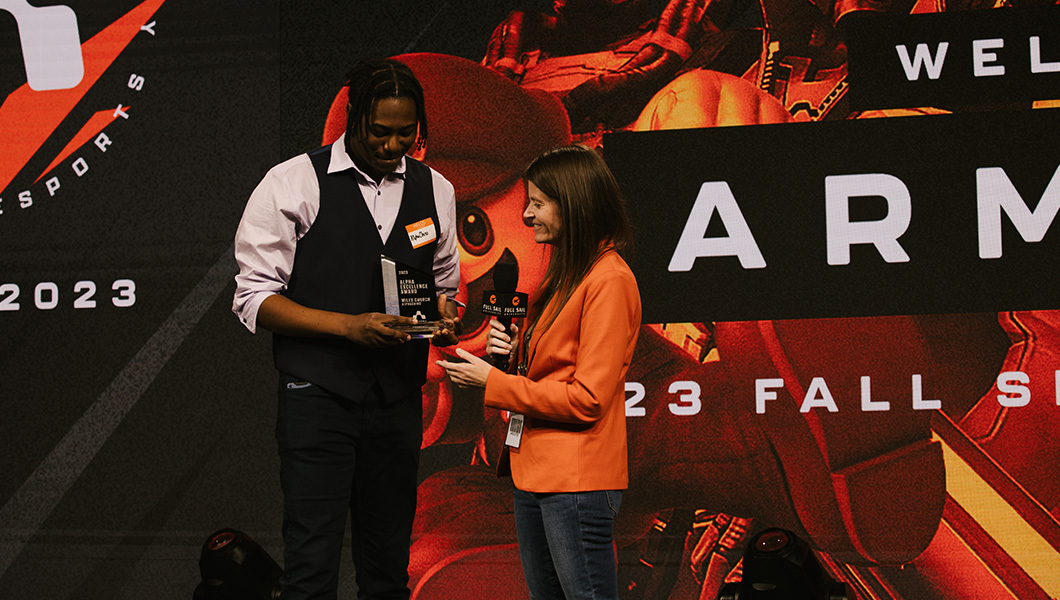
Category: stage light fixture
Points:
column 234, row 567
column 779, row 566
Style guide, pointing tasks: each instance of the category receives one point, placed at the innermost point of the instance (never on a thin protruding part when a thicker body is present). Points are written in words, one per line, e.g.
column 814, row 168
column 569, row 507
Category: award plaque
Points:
column 410, row 293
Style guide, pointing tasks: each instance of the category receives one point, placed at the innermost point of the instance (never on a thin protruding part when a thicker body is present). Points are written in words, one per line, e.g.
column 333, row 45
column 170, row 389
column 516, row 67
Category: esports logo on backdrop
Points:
column 48, row 118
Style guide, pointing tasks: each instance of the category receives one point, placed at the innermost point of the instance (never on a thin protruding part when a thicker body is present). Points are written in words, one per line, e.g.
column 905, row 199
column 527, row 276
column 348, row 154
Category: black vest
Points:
column 336, row 268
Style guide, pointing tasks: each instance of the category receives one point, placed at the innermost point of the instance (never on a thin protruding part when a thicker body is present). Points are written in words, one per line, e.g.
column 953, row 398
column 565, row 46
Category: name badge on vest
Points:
column 422, row 232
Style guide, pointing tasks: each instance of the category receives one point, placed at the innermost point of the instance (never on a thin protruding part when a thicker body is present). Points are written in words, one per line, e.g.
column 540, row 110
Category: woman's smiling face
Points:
column 542, row 213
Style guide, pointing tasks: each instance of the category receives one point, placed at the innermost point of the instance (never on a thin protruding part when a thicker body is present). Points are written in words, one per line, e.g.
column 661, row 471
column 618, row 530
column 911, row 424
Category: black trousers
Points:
column 337, row 457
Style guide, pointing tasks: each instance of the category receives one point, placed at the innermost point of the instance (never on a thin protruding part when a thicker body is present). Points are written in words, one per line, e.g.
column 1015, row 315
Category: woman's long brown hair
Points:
column 593, row 219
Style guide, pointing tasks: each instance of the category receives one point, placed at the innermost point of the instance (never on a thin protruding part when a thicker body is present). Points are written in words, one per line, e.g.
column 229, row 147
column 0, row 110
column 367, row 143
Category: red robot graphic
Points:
column 707, row 468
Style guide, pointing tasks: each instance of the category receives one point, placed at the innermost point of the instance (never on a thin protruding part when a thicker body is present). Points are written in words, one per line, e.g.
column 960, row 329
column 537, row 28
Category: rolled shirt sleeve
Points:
column 277, row 215
column 447, row 255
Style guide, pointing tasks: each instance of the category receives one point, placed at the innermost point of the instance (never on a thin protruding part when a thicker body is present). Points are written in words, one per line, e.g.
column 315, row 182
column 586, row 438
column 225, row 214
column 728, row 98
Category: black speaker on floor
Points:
column 780, row 566
column 234, row 567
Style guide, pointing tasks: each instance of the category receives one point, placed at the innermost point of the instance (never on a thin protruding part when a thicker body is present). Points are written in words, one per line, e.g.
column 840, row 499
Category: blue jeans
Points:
column 566, row 544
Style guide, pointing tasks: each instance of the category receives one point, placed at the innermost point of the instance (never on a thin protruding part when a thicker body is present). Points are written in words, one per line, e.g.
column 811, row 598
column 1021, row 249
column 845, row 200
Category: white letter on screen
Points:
column 884, row 234
column 763, row 393
column 919, row 403
column 1013, row 395
column 1037, row 66
column 867, row 403
column 980, row 57
column 922, row 58
column 818, row 396
column 994, row 192
column 740, row 243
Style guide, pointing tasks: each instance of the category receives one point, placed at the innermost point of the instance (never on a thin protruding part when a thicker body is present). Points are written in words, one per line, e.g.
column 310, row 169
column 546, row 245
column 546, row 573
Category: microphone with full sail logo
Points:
column 504, row 302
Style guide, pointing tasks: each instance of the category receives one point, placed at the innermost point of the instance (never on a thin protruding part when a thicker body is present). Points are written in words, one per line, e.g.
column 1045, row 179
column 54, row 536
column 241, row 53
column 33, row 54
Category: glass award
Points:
column 410, row 292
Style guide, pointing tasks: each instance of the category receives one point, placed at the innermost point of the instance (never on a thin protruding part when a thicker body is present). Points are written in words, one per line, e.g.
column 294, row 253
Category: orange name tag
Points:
column 422, row 232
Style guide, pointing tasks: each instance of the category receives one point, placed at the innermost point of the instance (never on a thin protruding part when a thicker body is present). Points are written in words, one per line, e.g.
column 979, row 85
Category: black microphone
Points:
column 505, row 279
column 504, row 302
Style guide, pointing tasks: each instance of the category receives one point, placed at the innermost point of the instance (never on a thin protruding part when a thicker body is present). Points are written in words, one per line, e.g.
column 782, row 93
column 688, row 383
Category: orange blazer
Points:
column 573, row 395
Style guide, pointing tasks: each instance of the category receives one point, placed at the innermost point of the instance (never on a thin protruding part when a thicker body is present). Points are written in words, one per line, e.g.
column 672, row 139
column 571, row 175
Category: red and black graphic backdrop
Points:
column 851, row 325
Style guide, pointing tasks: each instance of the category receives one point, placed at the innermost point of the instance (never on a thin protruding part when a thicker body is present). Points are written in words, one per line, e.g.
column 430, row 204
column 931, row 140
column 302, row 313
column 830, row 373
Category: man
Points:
column 349, row 420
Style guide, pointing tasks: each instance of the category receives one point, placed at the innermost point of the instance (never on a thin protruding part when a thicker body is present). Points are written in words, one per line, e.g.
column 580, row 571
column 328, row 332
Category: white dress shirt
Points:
column 284, row 205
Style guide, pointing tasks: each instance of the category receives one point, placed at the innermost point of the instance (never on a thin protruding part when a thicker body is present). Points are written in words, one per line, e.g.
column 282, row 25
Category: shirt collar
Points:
column 341, row 161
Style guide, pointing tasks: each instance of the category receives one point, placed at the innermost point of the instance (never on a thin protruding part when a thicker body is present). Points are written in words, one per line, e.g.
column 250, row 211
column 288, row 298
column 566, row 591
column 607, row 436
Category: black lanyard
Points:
column 524, row 365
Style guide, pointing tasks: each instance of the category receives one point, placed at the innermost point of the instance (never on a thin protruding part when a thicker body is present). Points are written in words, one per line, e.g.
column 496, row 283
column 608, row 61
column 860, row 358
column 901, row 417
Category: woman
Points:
column 568, row 457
